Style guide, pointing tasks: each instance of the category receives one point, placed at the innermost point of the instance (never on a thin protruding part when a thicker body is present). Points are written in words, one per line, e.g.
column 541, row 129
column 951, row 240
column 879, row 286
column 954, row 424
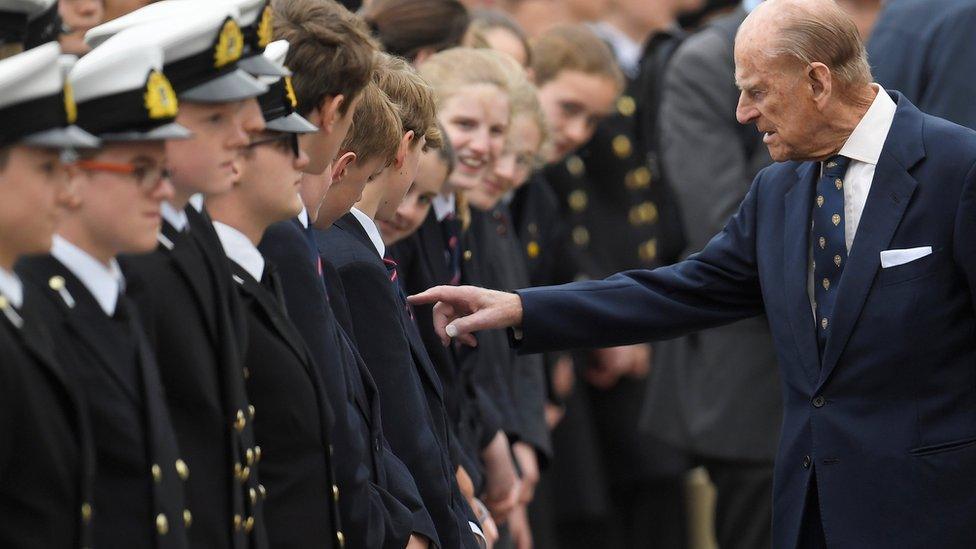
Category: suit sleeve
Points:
column 714, row 287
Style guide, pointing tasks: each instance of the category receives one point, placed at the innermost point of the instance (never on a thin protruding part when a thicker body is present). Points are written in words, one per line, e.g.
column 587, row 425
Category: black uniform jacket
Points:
column 377, row 509
column 46, row 451
column 138, row 487
column 186, row 312
column 293, row 425
column 415, row 421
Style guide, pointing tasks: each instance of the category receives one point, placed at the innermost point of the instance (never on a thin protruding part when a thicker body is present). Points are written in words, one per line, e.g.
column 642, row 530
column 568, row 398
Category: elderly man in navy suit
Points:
column 859, row 244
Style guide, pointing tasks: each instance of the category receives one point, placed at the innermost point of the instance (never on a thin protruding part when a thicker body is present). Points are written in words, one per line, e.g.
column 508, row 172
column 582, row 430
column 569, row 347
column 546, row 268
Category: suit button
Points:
column 187, row 518
column 245, row 474
column 157, row 473
column 249, row 524
column 341, row 537
column 806, row 462
column 819, row 401
column 335, row 493
column 162, row 524
column 254, row 496
column 263, row 491
column 251, row 410
column 238, row 522
column 240, row 422
column 249, row 456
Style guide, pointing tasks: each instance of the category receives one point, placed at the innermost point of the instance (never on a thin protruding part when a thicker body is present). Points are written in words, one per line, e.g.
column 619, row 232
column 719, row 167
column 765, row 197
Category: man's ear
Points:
column 820, row 81
column 401, row 155
column 340, row 165
column 328, row 111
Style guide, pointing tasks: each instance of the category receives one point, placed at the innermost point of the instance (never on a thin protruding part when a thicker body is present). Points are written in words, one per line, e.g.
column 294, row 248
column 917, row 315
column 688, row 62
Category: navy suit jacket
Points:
column 887, row 418
column 925, row 49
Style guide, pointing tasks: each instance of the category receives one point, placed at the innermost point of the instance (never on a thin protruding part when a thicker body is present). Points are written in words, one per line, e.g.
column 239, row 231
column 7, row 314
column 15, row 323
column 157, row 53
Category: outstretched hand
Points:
column 462, row 310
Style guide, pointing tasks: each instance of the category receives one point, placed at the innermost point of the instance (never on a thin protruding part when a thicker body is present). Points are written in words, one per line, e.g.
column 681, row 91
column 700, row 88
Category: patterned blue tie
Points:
column 829, row 245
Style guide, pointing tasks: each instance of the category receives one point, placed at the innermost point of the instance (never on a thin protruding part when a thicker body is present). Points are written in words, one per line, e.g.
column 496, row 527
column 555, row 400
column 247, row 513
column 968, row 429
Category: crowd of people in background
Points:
column 214, row 211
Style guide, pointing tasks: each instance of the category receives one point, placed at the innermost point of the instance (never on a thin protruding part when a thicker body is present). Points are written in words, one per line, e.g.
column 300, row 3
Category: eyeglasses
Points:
column 291, row 138
column 146, row 177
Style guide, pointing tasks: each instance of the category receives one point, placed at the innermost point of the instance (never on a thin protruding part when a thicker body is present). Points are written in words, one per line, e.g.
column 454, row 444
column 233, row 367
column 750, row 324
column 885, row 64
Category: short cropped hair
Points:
column 330, row 51
column 412, row 95
column 376, row 130
column 572, row 48
column 827, row 35
column 405, row 27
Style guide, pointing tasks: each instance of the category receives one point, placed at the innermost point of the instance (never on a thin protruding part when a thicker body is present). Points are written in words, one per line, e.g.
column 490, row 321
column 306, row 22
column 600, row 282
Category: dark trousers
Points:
column 744, row 503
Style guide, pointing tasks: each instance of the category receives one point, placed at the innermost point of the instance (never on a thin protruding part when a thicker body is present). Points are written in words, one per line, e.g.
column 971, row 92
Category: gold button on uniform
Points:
column 626, row 105
column 257, row 454
column 468, row 255
column 162, row 524
column 578, row 200
column 575, row 166
column 254, row 496
column 581, row 236
column 249, row 524
column 86, row 512
column 249, row 456
column 644, row 213
column 157, row 473
column 247, row 373
column 262, row 491
column 532, row 249
column 182, row 470
column 341, row 537
column 238, row 522
column 240, row 422
column 251, row 410
column 187, row 518
column 335, row 493
column 648, row 251
column 56, row 283
column 638, row 179
column 621, row 146
column 245, row 474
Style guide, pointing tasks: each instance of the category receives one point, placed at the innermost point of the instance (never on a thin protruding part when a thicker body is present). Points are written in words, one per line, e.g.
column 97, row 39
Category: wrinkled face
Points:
column 272, row 174
column 35, row 189
column 776, row 98
column 208, row 162
column 475, row 119
column 431, row 176
column 397, row 181
column 574, row 102
column 119, row 212
column 347, row 190
column 513, row 167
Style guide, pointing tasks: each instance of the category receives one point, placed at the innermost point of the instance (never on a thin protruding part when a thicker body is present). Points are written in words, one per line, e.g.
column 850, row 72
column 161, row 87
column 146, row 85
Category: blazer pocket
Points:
column 913, row 269
column 943, row 447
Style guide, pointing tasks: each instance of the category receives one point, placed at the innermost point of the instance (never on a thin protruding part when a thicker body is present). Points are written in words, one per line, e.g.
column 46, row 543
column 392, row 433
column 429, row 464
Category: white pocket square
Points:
column 894, row 258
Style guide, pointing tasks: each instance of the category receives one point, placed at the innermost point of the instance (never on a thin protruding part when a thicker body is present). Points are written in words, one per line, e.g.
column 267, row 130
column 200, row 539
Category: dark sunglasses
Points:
column 291, row 138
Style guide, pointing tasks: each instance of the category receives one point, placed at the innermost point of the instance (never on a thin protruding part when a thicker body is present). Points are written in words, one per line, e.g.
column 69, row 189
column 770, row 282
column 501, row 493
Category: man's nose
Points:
column 745, row 112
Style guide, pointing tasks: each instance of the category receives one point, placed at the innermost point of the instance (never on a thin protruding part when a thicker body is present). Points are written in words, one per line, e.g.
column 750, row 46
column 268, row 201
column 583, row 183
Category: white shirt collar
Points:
column 303, row 217
column 12, row 288
column 240, row 250
column 370, row 227
column 197, row 202
column 625, row 49
column 444, row 205
column 103, row 282
column 176, row 218
column 868, row 138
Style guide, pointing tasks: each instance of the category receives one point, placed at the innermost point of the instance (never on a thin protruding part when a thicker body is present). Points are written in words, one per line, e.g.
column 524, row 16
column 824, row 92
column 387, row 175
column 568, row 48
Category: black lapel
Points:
column 272, row 310
column 432, row 244
column 182, row 254
column 350, row 224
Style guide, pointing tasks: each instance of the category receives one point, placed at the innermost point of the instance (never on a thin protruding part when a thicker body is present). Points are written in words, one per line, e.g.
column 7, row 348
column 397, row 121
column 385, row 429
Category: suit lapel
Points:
column 796, row 253
column 891, row 191
column 272, row 310
column 433, row 249
column 182, row 255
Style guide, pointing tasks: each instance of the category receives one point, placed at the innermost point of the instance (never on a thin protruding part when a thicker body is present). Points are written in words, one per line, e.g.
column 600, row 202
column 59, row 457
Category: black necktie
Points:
column 451, row 229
